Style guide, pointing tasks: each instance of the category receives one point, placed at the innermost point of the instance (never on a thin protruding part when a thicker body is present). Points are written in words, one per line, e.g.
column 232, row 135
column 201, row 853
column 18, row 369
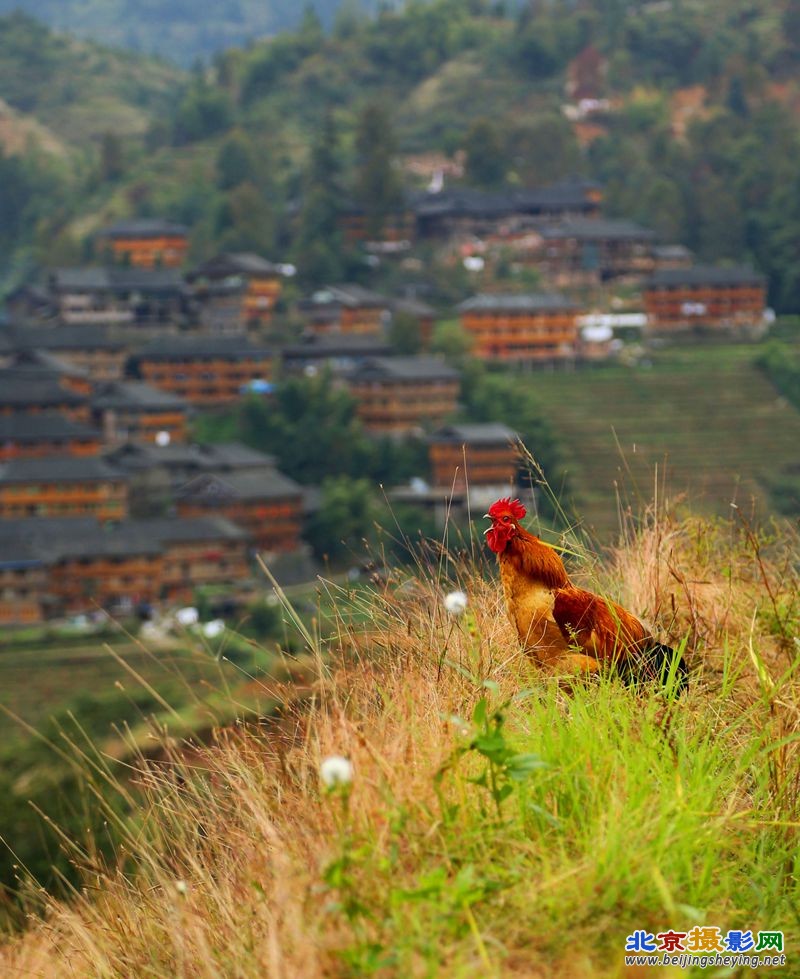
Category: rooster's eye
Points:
column 505, row 519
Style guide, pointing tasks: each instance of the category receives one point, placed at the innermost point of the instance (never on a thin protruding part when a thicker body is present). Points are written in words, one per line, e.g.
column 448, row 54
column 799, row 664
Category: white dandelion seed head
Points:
column 213, row 628
column 456, row 602
column 187, row 616
column 336, row 770
column 181, row 886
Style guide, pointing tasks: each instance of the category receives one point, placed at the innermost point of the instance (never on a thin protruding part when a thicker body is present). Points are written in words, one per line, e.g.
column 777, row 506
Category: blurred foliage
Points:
column 310, row 425
column 509, row 398
column 316, row 121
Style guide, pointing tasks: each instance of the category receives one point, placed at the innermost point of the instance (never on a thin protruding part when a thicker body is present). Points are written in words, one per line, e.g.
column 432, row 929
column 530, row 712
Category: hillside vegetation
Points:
column 68, row 109
column 694, row 91
column 704, row 423
column 492, row 811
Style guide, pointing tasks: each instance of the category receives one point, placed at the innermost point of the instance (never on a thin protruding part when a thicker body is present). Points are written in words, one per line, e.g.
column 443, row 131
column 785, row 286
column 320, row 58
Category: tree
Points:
column 203, row 111
column 535, row 48
column 737, row 97
column 346, row 518
column 543, row 150
column 318, row 244
column 348, row 19
column 378, row 187
column 405, row 335
column 236, row 162
column 112, row 162
column 310, row 31
column 485, row 156
column 452, row 340
column 310, row 426
column 246, row 222
column 718, row 222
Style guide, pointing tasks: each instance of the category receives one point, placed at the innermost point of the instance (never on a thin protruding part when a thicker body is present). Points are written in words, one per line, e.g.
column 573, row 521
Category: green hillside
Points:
column 701, row 421
column 78, row 89
column 693, row 93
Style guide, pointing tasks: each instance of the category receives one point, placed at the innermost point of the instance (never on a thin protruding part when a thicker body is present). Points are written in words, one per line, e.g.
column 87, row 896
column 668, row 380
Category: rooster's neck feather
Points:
column 536, row 560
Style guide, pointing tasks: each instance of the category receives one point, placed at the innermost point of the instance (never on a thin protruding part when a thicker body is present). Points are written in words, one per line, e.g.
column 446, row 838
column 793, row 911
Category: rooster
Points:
column 563, row 626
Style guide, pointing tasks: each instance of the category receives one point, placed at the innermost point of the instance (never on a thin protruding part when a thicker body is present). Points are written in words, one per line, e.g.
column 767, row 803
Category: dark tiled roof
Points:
column 22, row 389
column 34, row 528
column 595, row 229
column 229, row 487
column 233, row 455
column 91, row 279
column 336, row 345
column 235, row 263
column 466, row 201
column 351, row 295
column 672, row 251
column 414, row 307
column 54, row 539
column 139, row 457
column 490, row 433
column 62, row 338
column 117, row 280
column 43, row 360
column 19, row 553
column 136, row 396
column 199, row 458
column 232, row 347
column 142, row 228
column 175, row 530
column 51, row 539
column 121, row 541
column 405, row 369
column 43, row 428
column 707, row 275
column 42, row 539
column 59, row 469
column 512, row 303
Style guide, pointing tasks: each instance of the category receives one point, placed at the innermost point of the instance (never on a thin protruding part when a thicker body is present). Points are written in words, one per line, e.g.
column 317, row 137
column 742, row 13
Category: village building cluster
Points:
column 106, row 503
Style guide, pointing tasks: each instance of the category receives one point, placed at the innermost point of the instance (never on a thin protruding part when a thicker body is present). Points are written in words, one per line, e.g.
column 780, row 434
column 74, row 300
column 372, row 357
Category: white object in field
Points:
column 187, row 616
column 474, row 263
column 163, row 439
column 456, row 602
column 336, row 770
column 213, row 628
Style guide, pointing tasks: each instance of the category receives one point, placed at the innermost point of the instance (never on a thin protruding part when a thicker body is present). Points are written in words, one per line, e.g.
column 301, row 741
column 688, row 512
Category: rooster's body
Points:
column 561, row 626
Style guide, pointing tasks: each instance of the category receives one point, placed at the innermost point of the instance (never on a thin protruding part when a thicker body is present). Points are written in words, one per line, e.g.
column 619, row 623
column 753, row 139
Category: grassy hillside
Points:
column 703, row 422
column 694, row 93
column 77, row 89
column 498, row 823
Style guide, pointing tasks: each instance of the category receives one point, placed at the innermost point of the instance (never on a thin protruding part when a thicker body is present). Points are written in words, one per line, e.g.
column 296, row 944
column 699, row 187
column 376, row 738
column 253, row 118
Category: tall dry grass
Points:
column 647, row 808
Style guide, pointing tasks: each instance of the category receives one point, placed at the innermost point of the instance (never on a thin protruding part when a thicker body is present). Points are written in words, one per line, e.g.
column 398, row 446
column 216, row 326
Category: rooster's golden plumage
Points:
column 561, row 626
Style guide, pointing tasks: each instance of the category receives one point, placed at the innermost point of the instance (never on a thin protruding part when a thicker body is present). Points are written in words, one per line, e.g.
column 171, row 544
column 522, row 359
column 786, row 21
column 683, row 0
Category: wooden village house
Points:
column 523, row 328
column 401, row 395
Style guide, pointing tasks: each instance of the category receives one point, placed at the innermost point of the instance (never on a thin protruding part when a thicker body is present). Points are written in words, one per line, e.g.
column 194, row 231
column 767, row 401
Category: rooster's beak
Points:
column 487, row 516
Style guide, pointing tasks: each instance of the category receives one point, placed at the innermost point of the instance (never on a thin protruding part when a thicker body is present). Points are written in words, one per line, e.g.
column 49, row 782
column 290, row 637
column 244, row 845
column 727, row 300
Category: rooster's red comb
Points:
column 507, row 505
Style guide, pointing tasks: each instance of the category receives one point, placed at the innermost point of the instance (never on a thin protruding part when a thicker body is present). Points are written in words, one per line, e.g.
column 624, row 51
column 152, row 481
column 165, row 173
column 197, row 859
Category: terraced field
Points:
column 699, row 421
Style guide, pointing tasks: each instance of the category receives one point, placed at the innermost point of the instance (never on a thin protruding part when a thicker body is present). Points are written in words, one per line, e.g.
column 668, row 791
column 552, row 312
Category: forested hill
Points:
column 688, row 112
column 176, row 29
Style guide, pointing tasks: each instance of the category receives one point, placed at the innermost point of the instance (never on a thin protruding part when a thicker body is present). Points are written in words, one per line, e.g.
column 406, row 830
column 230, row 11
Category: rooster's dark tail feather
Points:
column 656, row 663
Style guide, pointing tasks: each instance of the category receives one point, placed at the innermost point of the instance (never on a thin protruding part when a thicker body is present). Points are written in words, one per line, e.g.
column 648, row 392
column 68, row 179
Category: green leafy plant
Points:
column 503, row 769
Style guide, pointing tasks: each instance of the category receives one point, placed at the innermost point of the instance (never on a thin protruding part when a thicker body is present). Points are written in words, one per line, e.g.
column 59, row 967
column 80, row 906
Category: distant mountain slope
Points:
column 176, row 29
column 77, row 89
